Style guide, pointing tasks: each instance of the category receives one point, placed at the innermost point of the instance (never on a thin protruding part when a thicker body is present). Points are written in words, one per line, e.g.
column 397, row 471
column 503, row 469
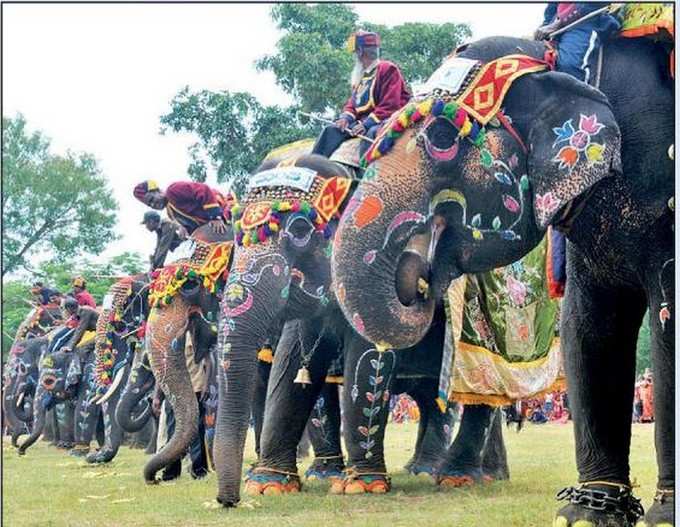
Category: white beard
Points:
column 357, row 73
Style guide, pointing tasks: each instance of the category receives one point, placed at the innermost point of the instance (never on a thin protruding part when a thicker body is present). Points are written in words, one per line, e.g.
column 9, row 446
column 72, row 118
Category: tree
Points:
column 311, row 63
column 16, row 297
column 235, row 131
column 643, row 358
column 319, row 33
column 60, row 205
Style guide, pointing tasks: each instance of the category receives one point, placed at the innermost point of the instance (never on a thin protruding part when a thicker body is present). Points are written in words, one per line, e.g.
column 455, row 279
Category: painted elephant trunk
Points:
column 380, row 277
column 19, row 409
column 16, row 423
column 249, row 307
column 39, row 410
column 166, row 330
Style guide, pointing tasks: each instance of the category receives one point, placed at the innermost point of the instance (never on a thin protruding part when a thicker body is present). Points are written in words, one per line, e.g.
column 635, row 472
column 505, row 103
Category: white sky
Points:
column 96, row 78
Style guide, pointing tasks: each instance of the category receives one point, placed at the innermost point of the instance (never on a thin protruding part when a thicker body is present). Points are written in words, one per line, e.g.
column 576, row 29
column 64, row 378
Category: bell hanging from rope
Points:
column 303, row 377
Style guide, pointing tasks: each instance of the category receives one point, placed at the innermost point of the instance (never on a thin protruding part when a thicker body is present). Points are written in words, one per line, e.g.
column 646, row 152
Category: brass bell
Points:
column 303, row 377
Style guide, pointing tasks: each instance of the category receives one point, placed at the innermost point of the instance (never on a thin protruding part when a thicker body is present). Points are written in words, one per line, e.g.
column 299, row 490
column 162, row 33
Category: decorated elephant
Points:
column 281, row 271
column 37, row 322
column 483, row 184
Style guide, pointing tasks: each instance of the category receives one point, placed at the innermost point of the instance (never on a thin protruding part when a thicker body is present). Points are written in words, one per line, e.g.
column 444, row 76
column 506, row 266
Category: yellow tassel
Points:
column 466, row 128
column 441, row 403
column 403, row 120
column 303, row 377
column 425, row 107
column 265, row 355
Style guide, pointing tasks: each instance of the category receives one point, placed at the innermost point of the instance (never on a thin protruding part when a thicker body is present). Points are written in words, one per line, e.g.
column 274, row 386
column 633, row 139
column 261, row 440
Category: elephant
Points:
column 281, row 272
column 190, row 307
column 134, row 407
column 594, row 164
column 36, row 323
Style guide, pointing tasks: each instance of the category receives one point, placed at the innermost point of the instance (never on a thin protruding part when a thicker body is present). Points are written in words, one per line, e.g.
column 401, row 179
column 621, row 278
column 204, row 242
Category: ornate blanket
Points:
column 501, row 335
column 208, row 265
column 284, row 189
column 467, row 92
column 643, row 20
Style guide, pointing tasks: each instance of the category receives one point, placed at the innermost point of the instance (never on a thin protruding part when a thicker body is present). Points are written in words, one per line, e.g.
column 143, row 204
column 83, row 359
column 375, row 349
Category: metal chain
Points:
column 306, row 358
column 599, row 500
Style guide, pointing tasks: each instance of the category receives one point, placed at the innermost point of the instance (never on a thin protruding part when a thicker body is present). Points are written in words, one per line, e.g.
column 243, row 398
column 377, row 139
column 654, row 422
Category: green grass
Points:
column 49, row 488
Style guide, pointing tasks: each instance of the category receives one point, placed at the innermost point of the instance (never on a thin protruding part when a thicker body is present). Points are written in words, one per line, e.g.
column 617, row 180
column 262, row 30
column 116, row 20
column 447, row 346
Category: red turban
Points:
column 143, row 188
column 362, row 39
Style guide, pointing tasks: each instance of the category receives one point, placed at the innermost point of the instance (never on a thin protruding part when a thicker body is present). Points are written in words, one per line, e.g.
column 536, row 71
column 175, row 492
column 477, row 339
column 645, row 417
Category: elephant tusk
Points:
column 671, row 152
column 20, row 400
column 114, row 386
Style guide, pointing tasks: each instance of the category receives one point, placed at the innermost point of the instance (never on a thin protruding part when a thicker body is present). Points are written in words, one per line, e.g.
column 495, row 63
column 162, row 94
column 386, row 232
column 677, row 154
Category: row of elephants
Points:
column 347, row 277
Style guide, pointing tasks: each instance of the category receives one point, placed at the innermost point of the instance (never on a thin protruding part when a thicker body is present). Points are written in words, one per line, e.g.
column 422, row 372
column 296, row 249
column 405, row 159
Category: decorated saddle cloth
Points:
column 284, row 189
column 653, row 20
column 500, row 341
column 467, row 92
column 207, row 265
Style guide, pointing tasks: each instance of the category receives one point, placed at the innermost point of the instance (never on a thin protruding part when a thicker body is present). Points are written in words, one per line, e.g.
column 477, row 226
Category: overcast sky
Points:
column 96, row 78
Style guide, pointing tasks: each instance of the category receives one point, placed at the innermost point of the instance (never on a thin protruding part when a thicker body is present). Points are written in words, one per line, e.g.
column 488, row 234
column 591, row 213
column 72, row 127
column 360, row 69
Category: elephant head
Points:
column 21, row 380
column 281, row 271
column 451, row 197
column 120, row 323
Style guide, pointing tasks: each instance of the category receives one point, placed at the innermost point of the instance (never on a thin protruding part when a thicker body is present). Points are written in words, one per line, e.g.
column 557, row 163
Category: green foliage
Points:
column 234, row 130
column 312, row 64
column 319, row 33
column 51, row 204
column 17, row 299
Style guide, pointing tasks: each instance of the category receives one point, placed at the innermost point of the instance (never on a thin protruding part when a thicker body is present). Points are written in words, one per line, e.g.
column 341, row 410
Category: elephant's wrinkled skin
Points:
column 598, row 168
column 287, row 278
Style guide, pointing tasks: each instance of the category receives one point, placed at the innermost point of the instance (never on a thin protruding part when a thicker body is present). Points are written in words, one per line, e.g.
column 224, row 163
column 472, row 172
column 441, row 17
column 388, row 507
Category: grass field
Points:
column 49, row 488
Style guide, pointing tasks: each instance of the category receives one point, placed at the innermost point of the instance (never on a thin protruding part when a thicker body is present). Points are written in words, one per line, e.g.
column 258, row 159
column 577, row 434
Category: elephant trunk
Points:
column 22, row 411
column 129, row 402
column 382, row 251
column 39, row 410
column 248, row 311
column 11, row 413
column 166, row 330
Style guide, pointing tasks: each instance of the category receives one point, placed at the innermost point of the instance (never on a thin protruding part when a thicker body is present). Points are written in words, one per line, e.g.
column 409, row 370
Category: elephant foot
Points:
column 598, row 505
column 326, row 468
column 80, row 451
column 270, row 482
column 101, row 456
column 361, row 483
column 65, row 445
column 457, row 478
column 421, row 469
column 660, row 514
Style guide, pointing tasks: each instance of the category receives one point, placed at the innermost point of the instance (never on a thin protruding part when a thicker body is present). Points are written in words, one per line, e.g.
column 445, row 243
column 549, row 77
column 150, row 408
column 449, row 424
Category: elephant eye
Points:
column 299, row 229
column 21, row 368
column 441, row 133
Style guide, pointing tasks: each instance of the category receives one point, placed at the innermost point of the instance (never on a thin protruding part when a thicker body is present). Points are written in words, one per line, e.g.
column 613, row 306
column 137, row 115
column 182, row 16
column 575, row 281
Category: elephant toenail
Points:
column 583, row 523
column 561, row 521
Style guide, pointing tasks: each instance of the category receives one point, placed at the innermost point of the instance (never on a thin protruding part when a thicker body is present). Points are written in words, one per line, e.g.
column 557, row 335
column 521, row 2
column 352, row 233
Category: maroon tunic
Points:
column 193, row 204
column 381, row 92
column 84, row 298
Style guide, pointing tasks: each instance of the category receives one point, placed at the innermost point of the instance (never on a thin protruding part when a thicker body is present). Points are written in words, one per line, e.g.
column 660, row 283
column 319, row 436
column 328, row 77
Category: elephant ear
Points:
column 574, row 143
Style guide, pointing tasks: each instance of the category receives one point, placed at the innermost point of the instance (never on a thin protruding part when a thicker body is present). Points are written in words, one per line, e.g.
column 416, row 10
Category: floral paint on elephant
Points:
column 379, row 373
column 579, row 143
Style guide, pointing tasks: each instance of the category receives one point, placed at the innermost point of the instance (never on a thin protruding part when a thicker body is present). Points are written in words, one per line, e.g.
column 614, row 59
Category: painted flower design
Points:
column 578, row 142
column 517, row 290
column 546, row 204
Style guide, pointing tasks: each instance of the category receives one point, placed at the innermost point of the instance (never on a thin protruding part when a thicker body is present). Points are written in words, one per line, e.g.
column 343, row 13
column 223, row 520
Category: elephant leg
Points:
column 494, row 455
column 87, row 415
column 198, row 451
column 288, row 407
column 369, row 375
column 434, row 429
column 599, row 334
column 323, row 429
column 151, row 445
column 66, row 415
column 259, row 399
column 51, row 428
column 463, row 465
column 661, row 293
